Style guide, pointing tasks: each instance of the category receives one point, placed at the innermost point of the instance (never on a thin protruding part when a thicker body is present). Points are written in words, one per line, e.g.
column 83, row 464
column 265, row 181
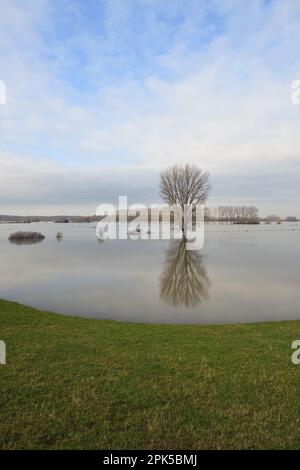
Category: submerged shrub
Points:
column 26, row 237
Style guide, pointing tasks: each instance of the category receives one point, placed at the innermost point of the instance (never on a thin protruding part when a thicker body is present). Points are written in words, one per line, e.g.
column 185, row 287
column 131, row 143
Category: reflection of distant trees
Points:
column 184, row 280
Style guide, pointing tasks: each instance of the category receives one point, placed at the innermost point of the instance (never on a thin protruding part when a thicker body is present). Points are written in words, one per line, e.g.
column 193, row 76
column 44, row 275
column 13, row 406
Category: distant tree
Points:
column 184, row 185
column 238, row 214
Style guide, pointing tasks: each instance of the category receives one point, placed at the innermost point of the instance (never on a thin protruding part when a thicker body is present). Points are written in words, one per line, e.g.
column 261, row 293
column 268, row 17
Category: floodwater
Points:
column 243, row 274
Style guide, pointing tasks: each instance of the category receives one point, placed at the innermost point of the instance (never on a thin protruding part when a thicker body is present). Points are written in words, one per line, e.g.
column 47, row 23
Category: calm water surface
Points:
column 243, row 274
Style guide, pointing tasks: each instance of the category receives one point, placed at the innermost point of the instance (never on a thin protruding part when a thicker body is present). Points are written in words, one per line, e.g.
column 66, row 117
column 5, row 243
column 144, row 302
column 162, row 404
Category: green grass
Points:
column 76, row 383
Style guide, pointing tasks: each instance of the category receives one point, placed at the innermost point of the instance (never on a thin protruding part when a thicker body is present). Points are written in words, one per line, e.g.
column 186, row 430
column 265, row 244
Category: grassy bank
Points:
column 76, row 383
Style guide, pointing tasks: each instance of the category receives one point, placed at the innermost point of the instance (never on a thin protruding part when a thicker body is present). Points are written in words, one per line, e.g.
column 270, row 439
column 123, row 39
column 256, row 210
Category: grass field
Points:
column 76, row 383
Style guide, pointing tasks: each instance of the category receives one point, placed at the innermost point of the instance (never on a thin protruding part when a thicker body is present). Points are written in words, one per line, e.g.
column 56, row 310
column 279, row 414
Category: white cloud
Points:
column 216, row 92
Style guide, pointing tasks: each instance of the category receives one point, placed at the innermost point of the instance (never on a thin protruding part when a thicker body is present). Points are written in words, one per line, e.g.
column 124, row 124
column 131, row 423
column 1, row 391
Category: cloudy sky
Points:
column 103, row 94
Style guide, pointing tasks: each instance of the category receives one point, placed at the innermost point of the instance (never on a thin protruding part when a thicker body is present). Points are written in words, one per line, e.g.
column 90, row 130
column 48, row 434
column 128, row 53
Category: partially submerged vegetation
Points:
column 73, row 383
column 20, row 237
column 59, row 235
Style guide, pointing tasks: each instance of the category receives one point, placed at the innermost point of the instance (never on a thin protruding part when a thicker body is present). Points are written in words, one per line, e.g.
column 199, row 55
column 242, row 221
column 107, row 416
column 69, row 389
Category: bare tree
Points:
column 184, row 186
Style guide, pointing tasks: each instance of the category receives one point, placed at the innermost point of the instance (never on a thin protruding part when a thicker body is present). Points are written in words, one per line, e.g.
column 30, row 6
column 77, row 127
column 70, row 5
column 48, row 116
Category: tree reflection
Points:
column 184, row 280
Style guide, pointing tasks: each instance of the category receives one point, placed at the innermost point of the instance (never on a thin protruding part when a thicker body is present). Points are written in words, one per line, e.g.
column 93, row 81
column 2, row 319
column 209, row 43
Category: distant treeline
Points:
column 233, row 214
column 57, row 219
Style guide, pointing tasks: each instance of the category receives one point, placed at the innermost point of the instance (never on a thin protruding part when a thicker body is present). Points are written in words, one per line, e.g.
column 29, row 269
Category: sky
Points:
column 101, row 95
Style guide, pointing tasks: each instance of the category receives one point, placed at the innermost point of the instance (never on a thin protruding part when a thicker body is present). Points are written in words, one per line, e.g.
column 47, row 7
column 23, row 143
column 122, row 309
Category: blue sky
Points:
column 103, row 94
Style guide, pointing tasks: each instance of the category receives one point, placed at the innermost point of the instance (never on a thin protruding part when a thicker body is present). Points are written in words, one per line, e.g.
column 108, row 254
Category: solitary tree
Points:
column 184, row 186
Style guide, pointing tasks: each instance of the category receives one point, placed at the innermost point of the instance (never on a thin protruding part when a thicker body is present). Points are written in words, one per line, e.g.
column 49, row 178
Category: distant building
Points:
column 291, row 219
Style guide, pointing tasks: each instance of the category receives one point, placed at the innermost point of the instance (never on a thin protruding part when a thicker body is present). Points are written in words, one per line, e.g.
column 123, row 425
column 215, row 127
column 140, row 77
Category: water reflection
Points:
column 184, row 280
column 120, row 280
column 24, row 241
